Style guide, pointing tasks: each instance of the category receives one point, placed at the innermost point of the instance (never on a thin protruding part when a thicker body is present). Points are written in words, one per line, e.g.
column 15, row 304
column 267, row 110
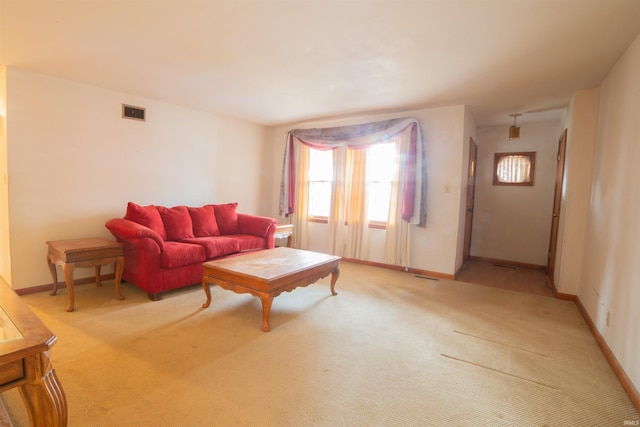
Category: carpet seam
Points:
column 539, row 383
column 504, row 345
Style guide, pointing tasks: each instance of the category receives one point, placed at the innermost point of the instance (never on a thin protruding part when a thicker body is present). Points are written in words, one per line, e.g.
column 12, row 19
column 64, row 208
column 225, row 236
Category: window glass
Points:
column 320, row 182
column 514, row 168
column 381, row 170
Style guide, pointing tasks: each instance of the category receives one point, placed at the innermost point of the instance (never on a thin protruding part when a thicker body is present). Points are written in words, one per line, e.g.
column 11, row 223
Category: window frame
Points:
column 531, row 155
column 375, row 224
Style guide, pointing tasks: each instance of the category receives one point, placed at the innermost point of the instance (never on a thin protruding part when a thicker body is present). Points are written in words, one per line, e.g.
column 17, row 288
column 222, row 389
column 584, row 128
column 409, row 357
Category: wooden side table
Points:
column 284, row 231
column 91, row 252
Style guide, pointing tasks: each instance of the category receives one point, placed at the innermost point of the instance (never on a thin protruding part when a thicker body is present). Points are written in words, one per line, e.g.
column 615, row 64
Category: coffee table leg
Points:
column 207, row 292
column 68, row 278
column 334, row 278
column 266, row 299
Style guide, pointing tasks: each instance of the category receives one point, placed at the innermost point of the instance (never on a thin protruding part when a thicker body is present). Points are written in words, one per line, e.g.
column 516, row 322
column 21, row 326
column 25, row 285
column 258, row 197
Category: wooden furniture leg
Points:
column 44, row 397
column 98, row 281
column 119, row 266
column 334, row 278
column 207, row 292
column 54, row 274
column 68, row 268
column 267, row 300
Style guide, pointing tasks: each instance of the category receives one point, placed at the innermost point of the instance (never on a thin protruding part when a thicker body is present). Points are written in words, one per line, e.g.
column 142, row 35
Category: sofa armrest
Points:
column 125, row 230
column 258, row 226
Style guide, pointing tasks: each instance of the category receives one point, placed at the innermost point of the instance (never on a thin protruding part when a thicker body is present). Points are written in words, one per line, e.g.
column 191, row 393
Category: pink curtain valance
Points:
column 361, row 136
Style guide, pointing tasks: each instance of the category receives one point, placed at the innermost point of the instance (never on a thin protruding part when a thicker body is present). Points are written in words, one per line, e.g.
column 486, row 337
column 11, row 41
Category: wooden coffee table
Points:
column 268, row 273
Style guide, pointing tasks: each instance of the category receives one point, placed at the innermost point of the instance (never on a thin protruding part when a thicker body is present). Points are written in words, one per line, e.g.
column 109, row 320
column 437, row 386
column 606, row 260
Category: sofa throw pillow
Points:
column 177, row 222
column 204, row 221
column 149, row 216
column 227, row 218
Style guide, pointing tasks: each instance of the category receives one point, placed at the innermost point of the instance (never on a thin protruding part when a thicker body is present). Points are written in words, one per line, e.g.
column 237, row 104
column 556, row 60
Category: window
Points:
column 514, row 168
column 381, row 170
column 320, row 183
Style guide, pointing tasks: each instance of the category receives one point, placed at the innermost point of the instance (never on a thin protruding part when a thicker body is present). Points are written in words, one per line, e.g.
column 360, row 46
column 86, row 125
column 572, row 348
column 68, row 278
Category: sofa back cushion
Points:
column 149, row 216
column 204, row 221
column 177, row 222
column 227, row 218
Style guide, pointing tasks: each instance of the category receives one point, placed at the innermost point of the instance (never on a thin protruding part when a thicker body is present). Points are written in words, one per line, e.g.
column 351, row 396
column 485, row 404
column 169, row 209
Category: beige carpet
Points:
column 390, row 349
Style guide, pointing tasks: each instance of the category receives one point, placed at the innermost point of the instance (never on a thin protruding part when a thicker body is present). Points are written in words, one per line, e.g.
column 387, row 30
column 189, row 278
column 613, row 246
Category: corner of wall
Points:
column 581, row 123
column 5, row 249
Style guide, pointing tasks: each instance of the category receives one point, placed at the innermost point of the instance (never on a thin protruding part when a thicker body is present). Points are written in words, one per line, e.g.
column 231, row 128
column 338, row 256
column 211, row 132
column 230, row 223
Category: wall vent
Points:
column 134, row 113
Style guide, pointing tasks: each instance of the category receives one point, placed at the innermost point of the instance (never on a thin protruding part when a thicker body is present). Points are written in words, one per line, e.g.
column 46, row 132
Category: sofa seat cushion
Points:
column 215, row 246
column 248, row 242
column 179, row 254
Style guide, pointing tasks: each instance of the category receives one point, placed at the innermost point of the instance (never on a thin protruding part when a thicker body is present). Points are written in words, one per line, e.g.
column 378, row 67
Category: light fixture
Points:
column 514, row 131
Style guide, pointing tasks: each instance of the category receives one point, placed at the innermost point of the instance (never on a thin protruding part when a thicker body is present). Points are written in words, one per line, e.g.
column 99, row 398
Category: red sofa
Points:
column 164, row 248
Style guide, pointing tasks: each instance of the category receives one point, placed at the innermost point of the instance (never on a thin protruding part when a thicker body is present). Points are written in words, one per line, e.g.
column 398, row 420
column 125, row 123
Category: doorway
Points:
column 471, row 193
column 555, row 214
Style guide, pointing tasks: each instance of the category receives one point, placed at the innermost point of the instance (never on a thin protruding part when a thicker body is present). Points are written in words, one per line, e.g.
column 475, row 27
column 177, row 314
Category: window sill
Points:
column 372, row 224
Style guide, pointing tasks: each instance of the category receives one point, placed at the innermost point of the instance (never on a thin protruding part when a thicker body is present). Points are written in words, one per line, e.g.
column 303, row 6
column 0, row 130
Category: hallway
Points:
column 504, row 276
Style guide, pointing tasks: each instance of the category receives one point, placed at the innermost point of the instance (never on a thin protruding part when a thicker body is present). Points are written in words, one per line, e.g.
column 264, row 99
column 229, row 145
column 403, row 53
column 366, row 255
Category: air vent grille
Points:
column 132, row 112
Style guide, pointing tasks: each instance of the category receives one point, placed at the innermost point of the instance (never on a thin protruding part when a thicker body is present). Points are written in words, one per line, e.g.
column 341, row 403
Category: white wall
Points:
column 5, row 259
column 611, row 267
column 581, row 121
column 74, row 162
column 470, row 129
column 433, row 249
column 514, row 223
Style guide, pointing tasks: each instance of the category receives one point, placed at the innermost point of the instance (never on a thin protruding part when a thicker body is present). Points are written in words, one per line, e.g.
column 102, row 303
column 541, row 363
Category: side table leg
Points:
column 266, row 299
column 68, row 278
column 334, row 278
column 119, row 265
column 54, row 274
column 98, row 281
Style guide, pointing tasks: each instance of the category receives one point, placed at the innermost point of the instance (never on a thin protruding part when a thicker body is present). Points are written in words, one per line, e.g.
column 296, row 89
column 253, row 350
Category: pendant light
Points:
column 514, row 131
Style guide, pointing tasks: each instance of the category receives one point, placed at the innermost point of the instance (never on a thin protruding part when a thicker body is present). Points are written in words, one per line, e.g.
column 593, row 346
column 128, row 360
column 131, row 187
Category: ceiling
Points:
column 276, row 62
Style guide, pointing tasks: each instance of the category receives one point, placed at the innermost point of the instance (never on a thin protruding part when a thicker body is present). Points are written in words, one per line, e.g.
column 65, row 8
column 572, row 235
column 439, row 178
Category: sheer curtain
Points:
column 300, row 221
column 514, row 169
column 397, row 247
column 336, row 235
column 356, row 243
column 348, row 223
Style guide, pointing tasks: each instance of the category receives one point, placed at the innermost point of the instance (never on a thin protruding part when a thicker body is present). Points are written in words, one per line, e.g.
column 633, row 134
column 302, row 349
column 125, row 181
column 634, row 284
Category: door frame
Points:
column 555, row 214
column 470, row 199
